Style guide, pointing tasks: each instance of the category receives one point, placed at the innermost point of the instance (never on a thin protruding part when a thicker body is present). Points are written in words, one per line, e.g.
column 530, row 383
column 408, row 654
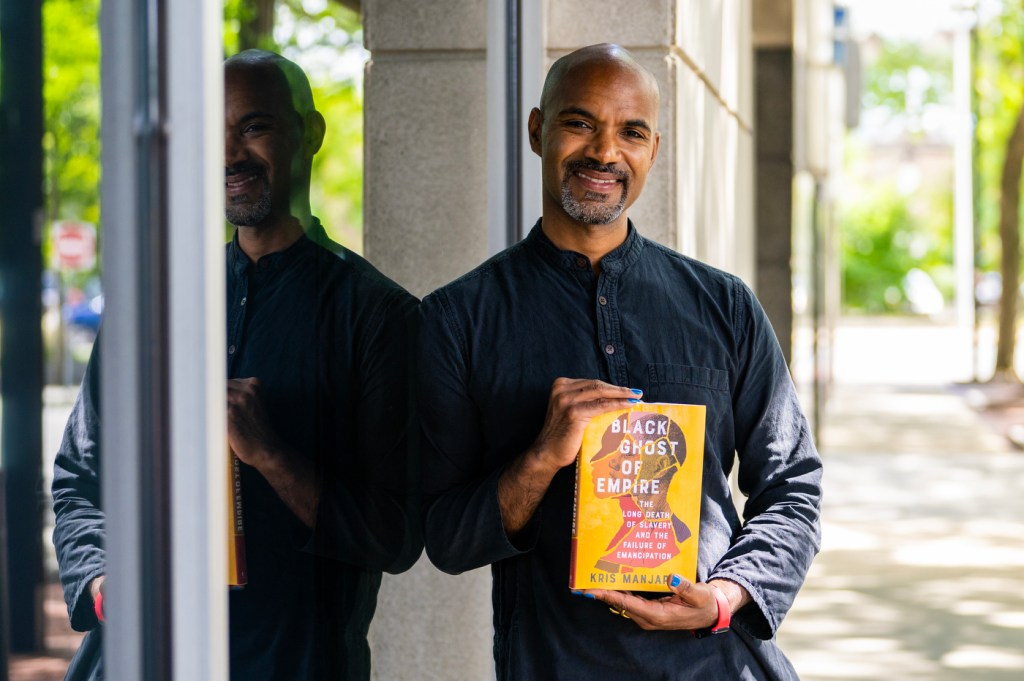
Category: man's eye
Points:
column 577, row 124
column 636, row 134
column 254, row 127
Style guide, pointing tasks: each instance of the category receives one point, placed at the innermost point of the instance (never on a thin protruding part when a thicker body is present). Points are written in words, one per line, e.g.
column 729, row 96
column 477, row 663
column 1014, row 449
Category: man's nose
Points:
column 604, row 147
column 234, row 150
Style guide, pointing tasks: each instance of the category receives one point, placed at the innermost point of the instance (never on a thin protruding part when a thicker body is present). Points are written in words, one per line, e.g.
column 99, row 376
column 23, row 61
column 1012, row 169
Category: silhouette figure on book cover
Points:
column 640, row 454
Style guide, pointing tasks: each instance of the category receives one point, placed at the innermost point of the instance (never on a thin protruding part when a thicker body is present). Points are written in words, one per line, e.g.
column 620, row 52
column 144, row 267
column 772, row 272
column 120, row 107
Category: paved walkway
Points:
column 921, row 574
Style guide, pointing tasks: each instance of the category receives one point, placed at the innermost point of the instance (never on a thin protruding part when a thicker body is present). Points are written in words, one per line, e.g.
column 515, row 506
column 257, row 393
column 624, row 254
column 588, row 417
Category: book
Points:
column 636, row 517
column 237, row 575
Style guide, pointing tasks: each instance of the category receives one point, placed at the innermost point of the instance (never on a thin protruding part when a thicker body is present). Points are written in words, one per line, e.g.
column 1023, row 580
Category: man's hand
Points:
column 249, row 437
column 253, row 442
column 690, row 605
column 96, row 586
column 571, row 405
column 96, row 590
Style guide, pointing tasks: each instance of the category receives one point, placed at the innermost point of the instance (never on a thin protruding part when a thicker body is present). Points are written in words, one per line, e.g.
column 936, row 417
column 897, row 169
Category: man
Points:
column 316, row 402
column 586, row 316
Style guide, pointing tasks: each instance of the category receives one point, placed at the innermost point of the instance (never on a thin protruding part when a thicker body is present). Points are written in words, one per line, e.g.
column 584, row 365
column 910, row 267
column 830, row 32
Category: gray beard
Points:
column 595, row 213
column 250, row 214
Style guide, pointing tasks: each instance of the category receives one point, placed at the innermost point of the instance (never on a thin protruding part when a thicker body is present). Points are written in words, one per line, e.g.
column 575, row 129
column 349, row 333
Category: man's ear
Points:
column 657, row 143
column 533, row 127
column 313, row 132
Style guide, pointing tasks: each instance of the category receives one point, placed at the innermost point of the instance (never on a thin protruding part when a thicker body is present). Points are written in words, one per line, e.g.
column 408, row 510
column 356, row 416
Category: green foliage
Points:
column 886, row 232
column 999, row 87
column 905, row 79
column 71, row 92
column 883, row 238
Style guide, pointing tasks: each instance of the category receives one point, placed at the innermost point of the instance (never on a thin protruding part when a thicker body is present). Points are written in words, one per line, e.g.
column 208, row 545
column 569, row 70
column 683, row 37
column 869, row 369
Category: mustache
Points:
column 587, row 164
column 243, row 167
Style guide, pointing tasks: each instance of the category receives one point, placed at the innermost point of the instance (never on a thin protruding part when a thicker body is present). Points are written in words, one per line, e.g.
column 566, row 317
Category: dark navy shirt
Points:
column 327, row 336
column 493, row 342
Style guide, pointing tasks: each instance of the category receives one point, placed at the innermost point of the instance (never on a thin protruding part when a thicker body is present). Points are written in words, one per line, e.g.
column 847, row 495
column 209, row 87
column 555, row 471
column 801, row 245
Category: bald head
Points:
column 287, row 73
column 606, row 56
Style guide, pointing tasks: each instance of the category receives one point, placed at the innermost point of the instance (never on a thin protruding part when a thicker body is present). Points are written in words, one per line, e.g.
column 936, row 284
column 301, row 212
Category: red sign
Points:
column 74, row 245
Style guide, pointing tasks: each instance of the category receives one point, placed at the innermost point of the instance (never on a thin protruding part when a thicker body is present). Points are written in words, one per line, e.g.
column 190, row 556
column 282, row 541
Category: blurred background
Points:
column 857, row 162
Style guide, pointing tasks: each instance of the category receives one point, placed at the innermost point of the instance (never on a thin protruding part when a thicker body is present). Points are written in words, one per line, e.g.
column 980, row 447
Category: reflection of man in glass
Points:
column 642, row 452
column 316, row 402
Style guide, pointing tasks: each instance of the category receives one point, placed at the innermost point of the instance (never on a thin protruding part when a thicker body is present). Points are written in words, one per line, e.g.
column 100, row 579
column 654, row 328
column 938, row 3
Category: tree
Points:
column 1009, row 234
column 1000, row 138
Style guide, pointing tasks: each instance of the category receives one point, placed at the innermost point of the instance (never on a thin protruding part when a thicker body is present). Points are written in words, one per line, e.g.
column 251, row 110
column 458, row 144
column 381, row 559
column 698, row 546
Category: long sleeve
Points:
column 368, row 515
column 779, row 472
column 79, row 534
column 463, row 527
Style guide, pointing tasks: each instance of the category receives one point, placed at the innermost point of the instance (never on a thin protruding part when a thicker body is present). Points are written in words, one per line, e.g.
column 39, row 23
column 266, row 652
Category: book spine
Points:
column 237, row 573
column 575, row 532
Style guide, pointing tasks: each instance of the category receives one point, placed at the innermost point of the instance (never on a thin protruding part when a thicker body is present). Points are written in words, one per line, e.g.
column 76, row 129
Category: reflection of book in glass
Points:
column 237, row 575
column 638, row 491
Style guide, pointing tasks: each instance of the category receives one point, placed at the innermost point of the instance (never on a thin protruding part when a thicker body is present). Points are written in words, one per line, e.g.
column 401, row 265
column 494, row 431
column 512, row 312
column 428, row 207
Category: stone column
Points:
column 426, row 224
column 773, row 50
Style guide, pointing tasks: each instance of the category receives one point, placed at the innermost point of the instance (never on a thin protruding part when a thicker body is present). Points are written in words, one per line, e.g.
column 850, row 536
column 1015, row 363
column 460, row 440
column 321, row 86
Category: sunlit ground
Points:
column 921, row 574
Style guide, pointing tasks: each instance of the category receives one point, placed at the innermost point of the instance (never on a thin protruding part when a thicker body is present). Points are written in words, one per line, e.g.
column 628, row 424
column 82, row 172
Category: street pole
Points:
column 21, row 342
column 963, row 184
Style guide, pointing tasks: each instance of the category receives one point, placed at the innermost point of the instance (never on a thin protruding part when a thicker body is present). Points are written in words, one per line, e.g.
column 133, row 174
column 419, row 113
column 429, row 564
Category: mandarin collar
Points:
column 238, row 261
column 615, row 262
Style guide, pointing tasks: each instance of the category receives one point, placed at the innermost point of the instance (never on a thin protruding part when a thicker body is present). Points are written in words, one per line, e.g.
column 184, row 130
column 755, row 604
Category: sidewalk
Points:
column 921, row 574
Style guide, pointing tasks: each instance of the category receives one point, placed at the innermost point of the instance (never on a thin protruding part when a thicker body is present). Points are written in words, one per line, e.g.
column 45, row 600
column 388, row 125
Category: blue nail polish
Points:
column 636, row 391
column 676, row 581
column 591, row 596
column 577, row 592
column 633, row 401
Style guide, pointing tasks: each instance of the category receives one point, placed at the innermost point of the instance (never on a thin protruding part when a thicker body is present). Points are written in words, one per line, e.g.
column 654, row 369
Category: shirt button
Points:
column 231, row 349
column 243, row 302
column 602, row 300
column 610, row 349
column 581, row 262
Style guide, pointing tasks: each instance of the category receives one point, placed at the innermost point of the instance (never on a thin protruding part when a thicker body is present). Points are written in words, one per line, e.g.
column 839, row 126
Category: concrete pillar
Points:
column 425, row 139
column 426, row 206
column 425, row 224
column 773, row 50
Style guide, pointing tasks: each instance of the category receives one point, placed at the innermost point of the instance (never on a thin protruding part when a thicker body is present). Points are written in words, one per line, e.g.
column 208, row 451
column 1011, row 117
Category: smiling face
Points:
column 596, row 138
column 264, row 163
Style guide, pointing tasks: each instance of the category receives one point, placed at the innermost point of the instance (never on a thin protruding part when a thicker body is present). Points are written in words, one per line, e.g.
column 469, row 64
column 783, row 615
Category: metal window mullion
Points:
column 197, row 340
column 134, row 379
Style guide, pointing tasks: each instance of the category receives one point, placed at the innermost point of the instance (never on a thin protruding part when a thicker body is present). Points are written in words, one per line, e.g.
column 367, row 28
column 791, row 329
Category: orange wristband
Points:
column 98, row 606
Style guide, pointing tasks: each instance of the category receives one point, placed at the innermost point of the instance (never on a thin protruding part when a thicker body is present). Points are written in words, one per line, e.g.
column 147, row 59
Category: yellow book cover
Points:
column 237, row 575
column 638, row 493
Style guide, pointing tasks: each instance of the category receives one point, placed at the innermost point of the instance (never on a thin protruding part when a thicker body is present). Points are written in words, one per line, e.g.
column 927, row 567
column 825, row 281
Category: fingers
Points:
column 243, row 387
column 689, row 606
column 643, row 612
column 246, row 429
column 576, row 390
column 571, row 405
